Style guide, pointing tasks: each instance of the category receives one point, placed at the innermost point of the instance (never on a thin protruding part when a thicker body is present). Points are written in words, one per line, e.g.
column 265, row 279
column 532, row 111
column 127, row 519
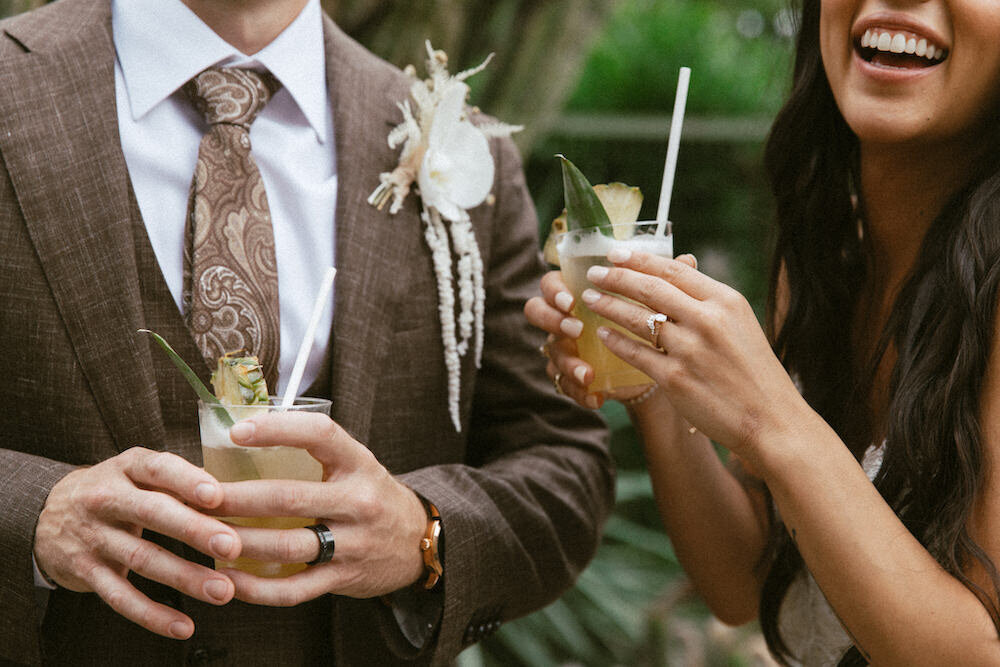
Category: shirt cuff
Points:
column 41, row 580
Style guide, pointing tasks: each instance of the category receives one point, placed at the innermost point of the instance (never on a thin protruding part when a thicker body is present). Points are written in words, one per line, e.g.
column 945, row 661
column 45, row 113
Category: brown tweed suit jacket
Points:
column 523, row 489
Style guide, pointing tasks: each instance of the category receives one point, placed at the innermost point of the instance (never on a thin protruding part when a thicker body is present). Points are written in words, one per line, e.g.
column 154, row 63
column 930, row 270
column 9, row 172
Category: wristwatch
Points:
column 432, row 547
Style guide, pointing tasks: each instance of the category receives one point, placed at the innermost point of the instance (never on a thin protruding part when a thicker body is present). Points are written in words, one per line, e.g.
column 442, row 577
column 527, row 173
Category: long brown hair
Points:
column 941, row 326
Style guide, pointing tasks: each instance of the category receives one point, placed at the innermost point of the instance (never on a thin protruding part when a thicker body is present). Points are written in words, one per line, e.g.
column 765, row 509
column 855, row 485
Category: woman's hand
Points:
column 552, row 312
column 714, row 361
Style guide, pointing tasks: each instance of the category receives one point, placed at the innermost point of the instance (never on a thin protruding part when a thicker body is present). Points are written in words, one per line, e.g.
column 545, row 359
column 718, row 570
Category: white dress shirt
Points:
column 161, row 44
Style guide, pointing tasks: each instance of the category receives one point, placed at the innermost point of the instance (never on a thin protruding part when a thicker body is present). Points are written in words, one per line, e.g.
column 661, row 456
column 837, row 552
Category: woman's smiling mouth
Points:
column 901, row 49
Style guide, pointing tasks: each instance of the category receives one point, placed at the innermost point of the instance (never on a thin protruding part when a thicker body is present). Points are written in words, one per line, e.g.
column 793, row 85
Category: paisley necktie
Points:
column 230, row 272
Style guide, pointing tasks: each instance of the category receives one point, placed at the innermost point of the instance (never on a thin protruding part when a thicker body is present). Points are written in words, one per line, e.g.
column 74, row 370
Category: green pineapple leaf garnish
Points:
column 199, row 387
column 583, row 208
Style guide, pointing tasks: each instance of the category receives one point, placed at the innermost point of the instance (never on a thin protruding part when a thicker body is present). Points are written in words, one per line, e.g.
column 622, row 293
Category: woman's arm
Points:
column 891, row 594
column 716, row 521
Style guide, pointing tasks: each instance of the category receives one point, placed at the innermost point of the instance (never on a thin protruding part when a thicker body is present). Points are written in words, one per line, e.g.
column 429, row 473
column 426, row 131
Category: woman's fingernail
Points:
column 242, row 431
column 590, row 295
column 217, row 589
column 592, row 402
column 571, row 326
column 564, row 300
column 222, row 544
column 603, row 332
column 580, row 373
column 205, row 492
column 596, row 273
column 618, row 255
column 694, row 260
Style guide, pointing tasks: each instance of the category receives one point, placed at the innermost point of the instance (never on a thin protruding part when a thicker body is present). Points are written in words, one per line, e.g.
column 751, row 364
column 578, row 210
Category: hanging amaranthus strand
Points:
column 449, row 160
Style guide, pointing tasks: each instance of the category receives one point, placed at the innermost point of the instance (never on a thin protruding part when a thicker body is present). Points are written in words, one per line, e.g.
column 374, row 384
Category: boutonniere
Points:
column 447, row 157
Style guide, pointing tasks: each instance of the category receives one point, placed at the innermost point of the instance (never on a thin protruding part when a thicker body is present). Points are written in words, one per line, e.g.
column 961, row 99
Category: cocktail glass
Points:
column 229, row 462
column 580, row 249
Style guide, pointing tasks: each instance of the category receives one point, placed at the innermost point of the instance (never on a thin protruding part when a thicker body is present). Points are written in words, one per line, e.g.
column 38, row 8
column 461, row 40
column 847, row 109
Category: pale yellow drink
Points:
column 229, row 462
column 580, row 249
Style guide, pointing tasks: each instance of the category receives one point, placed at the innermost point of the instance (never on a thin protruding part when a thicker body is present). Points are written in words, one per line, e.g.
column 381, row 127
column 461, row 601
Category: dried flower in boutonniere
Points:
column 448, row 158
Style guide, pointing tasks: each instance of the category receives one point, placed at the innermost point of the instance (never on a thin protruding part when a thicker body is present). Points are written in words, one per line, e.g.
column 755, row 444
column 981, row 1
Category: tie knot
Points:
column 230, row 95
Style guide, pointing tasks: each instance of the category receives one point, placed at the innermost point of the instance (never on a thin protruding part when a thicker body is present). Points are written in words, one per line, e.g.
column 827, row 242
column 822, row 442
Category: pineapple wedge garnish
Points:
column 239, row 380
column 622, row 204
column 557, row 229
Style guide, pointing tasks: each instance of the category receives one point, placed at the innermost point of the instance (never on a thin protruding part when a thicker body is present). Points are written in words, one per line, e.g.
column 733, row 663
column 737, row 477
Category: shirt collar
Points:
column 161, row 44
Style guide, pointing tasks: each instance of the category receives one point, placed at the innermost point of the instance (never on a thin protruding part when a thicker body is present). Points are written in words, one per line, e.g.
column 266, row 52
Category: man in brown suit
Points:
column 98, row 432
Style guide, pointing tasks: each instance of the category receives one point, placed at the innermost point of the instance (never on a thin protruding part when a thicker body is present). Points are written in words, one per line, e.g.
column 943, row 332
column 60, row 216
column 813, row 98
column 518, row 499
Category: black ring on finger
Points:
column 326, row 543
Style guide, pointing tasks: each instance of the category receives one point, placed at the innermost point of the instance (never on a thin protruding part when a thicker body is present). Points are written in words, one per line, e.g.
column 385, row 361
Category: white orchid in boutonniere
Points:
column 448, row 157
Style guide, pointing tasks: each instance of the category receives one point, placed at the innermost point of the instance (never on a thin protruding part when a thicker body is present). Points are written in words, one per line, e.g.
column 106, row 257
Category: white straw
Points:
column 300, row 360
column 673, row 145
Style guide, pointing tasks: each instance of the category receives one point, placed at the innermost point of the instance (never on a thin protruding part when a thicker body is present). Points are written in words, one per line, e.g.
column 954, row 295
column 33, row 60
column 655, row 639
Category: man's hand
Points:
column 376, row 521
column 89, row 535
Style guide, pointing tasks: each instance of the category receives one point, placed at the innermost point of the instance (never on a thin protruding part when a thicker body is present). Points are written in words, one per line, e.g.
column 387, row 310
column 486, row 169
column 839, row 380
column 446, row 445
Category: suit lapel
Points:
column 375, row 251
column 64, row 157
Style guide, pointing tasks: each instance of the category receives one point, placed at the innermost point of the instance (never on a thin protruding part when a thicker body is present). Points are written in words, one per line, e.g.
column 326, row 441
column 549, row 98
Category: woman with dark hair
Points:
column 858, row 515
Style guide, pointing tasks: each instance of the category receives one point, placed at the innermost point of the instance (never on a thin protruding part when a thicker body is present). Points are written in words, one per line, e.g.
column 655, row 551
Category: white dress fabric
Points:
column 810, row 629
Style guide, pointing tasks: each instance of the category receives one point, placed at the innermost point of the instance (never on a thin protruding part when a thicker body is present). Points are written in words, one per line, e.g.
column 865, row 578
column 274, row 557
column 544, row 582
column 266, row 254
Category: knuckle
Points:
column 367, row 504
column 116, row 600
column 190, row 530
column 629, row 351
column 329, row 429
column 135, row 455
column 100, row 499
column 139, row 557
column 146, row 511
column 154, row 466
column 551, row 282
column 158, row 466
column 674, row 270
column 88, row 569
column 714, row 318
column 287, row 547
column 733, row 300
column 289, row 501
column 647, row 290
column 81, row 564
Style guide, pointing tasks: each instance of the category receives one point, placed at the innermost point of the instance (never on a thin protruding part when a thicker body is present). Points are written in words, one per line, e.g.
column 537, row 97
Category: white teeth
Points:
column 900, row 43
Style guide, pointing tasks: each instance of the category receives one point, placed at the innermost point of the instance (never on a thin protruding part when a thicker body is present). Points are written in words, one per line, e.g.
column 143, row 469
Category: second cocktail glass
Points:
column 580, row 249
